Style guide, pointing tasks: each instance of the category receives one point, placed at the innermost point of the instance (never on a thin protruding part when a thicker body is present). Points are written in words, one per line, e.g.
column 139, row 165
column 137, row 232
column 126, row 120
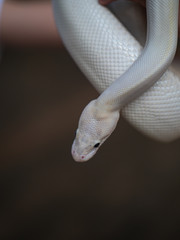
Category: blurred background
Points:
column 129, row 190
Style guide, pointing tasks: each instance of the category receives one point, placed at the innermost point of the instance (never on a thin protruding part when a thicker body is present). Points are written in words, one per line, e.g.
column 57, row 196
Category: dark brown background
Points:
column 129, row 190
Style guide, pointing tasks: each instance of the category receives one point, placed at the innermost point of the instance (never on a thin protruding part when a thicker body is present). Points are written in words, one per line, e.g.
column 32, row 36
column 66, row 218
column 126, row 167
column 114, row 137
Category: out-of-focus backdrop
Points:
column 129, row 190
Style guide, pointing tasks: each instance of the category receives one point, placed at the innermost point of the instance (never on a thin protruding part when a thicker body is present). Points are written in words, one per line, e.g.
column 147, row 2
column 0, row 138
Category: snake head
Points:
column 94, row 127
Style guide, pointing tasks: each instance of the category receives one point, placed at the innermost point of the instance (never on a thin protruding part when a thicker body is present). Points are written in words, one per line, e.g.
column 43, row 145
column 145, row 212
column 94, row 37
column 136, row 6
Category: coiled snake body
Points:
column 108, row 56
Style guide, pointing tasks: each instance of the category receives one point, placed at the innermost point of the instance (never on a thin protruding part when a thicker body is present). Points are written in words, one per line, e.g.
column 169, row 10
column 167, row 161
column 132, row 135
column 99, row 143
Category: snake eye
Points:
column 96, row 145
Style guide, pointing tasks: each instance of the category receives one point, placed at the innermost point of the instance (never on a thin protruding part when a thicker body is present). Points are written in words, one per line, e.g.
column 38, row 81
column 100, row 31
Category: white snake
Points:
column 104, row 50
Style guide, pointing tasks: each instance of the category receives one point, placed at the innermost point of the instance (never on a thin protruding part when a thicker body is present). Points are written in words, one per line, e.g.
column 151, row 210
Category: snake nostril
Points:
column 82, row 157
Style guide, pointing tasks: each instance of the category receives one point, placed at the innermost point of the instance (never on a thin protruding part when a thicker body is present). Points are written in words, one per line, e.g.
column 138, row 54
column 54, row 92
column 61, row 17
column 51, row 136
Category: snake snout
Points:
column 82, row 156
column 76, row 156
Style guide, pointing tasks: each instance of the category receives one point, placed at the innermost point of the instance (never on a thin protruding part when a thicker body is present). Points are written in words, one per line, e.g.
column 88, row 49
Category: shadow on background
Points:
column 129, row 190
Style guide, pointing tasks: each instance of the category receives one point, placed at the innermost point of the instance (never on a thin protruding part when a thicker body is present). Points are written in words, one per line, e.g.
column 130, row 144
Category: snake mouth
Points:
column 82, row 157
column 88, row 156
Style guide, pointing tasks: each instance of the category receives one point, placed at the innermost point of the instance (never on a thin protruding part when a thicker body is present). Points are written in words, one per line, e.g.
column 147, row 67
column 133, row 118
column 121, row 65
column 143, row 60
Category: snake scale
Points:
column 147, row 94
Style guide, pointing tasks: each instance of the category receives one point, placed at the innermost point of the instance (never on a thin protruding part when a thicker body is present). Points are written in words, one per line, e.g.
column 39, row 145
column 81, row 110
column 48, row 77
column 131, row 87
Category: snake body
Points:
column 108, row 56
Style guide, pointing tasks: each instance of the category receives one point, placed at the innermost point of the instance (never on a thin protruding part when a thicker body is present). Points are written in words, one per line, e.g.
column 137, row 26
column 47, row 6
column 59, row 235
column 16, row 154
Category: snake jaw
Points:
column 82, row 157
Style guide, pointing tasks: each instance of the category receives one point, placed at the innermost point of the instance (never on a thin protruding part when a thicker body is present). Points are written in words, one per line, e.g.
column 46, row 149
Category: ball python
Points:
column 132, row 80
